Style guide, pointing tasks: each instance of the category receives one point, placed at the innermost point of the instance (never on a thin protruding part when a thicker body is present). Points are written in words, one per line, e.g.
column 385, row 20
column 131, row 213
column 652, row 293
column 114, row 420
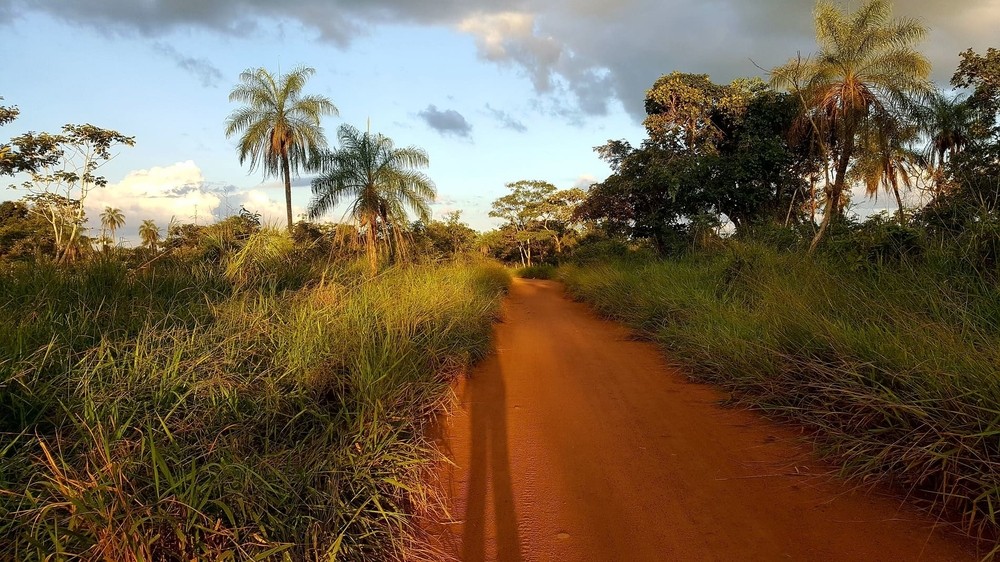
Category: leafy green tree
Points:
column 23, row 234
column 446, row 238
column 500, row 244
column 62, row 171
column 8, row 113
column 981, row 73
column 973, row 167
column 524, row 210
column 690, row 114
column 378, row 182
column 713, row 150
column 863, row 79
column 149, row 233
column 558, row 216
column 111, row 220
column 278, row 127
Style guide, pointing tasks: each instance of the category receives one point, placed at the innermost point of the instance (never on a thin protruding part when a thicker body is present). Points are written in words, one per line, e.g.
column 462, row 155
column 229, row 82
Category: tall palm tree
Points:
column 379, row 182
column 863, row 79
column 886, row 161
column 149, row 233
column 949, row 124
column 279, row 126
column 111, row 220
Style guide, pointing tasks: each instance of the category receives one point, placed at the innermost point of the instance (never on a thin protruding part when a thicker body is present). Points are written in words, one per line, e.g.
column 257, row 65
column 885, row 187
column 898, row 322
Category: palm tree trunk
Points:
column 371, row 248
column 286, row 174
column 832, row 210
column 899, row 201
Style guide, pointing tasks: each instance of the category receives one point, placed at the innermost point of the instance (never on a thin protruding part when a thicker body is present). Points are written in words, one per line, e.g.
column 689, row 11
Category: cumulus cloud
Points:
column 588, row 52
column 584, row 181
column 446, row 122
column 506, row 120
column 208, row 74
column 177, row 192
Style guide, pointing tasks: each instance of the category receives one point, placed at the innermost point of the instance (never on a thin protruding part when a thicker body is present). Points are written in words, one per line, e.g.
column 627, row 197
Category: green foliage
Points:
column 278, row 127
column 379, row 183
column 24, row 235
column 713, row 150
column 543, row 271
column 111, row 220
column 62, row 170
column 857, row 91
column 149, row 233
column 892, row 366
column 536, row 215
column 160, row 414
column 981, row 73
column 443, row 239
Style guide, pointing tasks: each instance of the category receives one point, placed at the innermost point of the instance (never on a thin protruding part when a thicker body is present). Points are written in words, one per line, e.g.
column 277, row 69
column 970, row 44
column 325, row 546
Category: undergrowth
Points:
column 178, row 413
column 543, row 271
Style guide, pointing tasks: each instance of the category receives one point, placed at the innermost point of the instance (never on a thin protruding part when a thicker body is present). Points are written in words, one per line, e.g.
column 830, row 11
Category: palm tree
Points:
column 279, row 127
column 886, row 162
column 378, row 182
column 149, row 233
column 111, row 220
column 949, row 124
column 863, row 79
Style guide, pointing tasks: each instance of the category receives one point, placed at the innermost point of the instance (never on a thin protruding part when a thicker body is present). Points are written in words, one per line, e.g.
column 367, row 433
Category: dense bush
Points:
column 177, row 413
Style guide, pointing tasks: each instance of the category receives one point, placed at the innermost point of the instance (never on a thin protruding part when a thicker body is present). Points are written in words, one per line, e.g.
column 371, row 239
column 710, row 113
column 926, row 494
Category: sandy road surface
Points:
column 574, row 442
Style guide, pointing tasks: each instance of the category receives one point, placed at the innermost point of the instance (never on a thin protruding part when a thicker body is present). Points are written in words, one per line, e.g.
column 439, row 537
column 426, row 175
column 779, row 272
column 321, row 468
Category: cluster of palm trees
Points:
column 279, row 131
column 112, row 219
column 867, row 100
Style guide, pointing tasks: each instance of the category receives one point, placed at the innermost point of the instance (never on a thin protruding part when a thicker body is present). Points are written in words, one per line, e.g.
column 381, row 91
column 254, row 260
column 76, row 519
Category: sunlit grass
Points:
column 194, row 412
column 895, row 367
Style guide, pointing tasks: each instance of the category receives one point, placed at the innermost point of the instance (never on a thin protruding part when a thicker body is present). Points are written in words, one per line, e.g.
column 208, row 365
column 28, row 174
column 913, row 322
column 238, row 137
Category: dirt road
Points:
column 574, row 442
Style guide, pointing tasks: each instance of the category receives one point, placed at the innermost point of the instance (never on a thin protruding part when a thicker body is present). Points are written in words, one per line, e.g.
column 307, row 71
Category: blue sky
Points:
column 494, row 91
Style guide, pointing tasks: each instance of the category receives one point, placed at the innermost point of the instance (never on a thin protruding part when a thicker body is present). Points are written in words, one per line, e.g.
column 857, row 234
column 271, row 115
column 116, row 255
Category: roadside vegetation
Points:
column 893, row 367
column 230, row 391
column 728, row 237
column 179, row 412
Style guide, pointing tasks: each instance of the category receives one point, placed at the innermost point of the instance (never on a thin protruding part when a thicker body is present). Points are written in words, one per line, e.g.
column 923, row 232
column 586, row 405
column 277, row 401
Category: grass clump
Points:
column 895, row 367
column 180, row 414
column 542, row 271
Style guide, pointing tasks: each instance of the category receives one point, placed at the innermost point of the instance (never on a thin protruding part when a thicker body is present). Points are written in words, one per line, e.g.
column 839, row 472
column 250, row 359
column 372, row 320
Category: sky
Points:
column 494, row 90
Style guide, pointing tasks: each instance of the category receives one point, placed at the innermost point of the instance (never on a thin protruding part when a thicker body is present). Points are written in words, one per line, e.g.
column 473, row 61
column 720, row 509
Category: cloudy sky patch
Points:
column 446, row 122
column 567, row 75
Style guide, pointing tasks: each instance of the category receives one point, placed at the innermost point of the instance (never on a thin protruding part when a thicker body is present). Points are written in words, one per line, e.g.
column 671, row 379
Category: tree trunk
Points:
column 833, row 197
column 899, row 201
column 287, row 176
column 371, row 248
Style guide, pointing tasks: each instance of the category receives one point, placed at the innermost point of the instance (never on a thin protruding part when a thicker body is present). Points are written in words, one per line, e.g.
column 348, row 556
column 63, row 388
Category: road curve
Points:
column 575, row 442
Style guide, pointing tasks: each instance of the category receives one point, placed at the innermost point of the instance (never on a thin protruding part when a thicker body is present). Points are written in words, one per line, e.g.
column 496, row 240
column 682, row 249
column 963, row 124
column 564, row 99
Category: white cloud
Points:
column 584, row 181
column 178, row 192
column 591, row 52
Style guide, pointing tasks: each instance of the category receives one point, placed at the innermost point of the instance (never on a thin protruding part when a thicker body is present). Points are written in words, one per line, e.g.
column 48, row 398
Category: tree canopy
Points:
column 378, row 182
column 278, row 127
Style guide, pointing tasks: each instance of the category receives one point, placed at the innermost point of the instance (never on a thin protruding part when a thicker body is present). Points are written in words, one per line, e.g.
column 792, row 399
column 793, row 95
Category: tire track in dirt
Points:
column 575, row 442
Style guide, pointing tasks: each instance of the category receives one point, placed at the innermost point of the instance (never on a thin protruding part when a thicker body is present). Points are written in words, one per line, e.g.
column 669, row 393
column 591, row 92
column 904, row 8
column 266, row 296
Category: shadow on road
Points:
column 489, row 466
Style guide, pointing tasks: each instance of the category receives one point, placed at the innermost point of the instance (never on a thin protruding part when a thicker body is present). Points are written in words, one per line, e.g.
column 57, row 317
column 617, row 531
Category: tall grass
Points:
column 177, row 413
column 895, row 367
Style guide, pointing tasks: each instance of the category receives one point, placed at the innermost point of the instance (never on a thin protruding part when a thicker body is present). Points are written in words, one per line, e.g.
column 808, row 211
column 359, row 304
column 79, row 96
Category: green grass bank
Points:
column 895, row 367
column 177, row 413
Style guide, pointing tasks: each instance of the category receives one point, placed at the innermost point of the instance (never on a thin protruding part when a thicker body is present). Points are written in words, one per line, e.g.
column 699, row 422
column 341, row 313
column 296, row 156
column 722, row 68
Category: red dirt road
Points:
column 574, row 442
